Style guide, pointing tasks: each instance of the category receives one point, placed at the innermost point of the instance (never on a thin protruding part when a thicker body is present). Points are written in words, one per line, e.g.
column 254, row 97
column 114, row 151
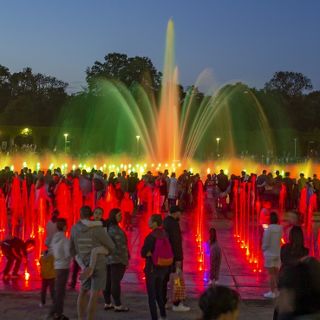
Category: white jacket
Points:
column 60, row 245
column 271, row 242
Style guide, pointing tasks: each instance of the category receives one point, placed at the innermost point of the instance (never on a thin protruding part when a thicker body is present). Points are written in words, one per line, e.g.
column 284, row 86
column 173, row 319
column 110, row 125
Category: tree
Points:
column 289, row 83
column 31, row 99
column 128, row 70
column 5, row 90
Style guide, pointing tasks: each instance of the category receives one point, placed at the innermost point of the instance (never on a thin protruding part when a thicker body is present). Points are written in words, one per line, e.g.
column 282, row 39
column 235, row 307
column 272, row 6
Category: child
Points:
column 48, row 276
column 215, row 257
column 87, row 271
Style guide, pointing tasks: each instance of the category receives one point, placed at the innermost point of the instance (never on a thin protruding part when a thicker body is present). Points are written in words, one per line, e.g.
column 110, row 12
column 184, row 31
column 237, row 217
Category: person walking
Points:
column 156, row 267
column 172, row 227
column 117, row 263
column 83, row 239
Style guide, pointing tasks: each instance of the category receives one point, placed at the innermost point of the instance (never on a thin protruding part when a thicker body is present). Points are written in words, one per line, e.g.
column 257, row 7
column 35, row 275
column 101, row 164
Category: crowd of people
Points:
column 99, row 247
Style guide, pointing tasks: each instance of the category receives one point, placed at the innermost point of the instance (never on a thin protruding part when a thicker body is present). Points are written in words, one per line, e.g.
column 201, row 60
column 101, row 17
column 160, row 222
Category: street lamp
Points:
column 65, row 141
column 138, row 139
column 218, row 142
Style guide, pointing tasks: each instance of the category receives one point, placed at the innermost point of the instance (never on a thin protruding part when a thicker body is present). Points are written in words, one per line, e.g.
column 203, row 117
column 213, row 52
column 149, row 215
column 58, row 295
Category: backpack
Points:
column 162, row 255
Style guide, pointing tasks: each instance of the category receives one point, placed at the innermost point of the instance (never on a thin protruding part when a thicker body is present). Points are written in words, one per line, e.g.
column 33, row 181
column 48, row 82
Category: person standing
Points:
column 172, row 227
column 294, row 250
column 117, row 262
column 173, row 190
column 291, row 253
column 154, row 272
column 271, row 245
column 61, row 252
column 215, row 257
column 83, row 239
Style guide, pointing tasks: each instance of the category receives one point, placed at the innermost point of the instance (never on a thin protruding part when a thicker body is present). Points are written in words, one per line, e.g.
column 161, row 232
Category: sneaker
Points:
column 270, row 295
column 108, row 306
column 121, row 309
column 180, row 308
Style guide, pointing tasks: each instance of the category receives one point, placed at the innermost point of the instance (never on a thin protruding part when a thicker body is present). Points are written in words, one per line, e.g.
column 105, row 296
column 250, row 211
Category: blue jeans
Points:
column 154, row 283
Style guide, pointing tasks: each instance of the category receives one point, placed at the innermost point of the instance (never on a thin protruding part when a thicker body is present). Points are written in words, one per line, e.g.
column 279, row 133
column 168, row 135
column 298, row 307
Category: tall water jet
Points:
column 168, row 131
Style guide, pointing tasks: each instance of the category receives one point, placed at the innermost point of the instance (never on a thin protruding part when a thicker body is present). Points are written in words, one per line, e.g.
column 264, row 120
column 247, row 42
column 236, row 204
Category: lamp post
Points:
column 138, row 140
column 65, row 141
column 218, row 143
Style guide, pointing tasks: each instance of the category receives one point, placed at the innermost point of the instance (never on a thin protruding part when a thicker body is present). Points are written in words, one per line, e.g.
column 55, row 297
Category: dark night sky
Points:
column 239, row 40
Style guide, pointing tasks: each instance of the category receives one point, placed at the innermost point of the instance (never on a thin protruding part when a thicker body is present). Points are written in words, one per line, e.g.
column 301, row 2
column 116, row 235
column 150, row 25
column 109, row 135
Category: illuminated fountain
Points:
column 171, row 134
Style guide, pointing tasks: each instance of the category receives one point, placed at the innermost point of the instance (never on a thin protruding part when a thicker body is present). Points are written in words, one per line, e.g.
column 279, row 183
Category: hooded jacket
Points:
column 84, row 238
column 60, row 245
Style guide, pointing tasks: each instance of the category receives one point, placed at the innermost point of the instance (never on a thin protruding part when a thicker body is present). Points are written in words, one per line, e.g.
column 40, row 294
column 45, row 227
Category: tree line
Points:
column 35, row 99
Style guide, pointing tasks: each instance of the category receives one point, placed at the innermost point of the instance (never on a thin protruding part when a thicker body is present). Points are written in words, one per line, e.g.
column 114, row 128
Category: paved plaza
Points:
column 20, row 299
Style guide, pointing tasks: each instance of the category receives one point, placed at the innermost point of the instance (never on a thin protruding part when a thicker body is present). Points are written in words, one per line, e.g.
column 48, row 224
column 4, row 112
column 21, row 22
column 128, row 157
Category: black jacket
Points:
column 148, row 246
column 172, row 227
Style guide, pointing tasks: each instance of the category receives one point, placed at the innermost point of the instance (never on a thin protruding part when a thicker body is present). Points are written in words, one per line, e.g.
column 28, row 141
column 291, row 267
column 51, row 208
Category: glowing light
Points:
column 66, row 135
column 26, row 275
column 24, row 164
column 26, row 131
column 208, row 171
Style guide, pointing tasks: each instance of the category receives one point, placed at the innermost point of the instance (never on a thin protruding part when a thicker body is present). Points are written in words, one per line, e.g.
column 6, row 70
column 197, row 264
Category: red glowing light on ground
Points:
column 26, row 275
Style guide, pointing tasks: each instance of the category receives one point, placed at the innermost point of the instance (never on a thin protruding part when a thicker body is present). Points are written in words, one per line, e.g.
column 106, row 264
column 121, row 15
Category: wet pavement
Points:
column 20, row 299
